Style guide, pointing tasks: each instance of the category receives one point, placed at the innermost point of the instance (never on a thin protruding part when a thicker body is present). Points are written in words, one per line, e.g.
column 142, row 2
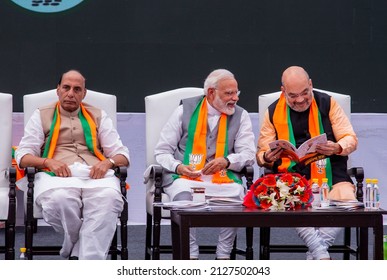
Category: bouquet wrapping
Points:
column 284, row 191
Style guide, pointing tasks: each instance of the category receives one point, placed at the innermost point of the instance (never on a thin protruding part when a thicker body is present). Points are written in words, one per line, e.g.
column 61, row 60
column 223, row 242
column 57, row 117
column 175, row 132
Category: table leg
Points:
column 249, row 243
column 180, row 237
column 175, row 231
column 378, row 238
column 363, row 246
column 184, row 240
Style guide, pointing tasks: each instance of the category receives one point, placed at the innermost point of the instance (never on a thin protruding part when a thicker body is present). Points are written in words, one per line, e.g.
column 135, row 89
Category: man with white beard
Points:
column 205, row 143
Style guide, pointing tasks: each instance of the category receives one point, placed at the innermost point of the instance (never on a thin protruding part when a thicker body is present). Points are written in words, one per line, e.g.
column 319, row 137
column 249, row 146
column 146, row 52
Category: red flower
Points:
column 279, row 191
column 287, row 178
column 270, row 180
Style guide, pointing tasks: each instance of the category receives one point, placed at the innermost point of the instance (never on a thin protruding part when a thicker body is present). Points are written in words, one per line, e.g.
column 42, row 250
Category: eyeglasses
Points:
column 230, row 93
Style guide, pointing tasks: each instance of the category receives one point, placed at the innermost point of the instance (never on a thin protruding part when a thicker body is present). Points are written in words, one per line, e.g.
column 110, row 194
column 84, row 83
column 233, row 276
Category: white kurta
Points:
column 33, row 140
column 79, row 179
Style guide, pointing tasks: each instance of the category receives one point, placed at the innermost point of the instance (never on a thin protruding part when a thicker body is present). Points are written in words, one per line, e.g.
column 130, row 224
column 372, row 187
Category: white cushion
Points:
column 5, row 150
column 104, row 101
column 158, row 109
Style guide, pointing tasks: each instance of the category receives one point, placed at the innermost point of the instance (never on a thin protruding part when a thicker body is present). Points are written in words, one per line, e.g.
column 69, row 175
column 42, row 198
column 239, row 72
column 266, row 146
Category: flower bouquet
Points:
column 285, row 191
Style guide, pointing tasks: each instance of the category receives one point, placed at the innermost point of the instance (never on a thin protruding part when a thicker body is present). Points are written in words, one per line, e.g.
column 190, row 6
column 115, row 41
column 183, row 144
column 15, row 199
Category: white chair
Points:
column 108, row 103
column 7, row 187
column 264, row 101
column 158, row 108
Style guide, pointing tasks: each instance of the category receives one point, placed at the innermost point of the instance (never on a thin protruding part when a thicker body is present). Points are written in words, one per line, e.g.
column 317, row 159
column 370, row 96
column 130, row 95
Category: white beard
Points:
column 222, row 106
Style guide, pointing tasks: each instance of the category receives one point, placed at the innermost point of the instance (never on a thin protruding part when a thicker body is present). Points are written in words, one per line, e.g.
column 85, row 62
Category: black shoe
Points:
column 73, row 258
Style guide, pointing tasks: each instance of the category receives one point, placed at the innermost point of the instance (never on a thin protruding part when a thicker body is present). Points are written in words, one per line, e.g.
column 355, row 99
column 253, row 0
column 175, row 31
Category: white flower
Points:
column 299, row 190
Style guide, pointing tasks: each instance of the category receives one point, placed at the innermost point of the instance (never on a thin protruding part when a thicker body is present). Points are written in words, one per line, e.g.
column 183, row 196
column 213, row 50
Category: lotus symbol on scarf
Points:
column 195, row 159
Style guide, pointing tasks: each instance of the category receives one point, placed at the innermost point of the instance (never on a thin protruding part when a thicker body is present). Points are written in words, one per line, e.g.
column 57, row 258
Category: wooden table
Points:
column 183, row 220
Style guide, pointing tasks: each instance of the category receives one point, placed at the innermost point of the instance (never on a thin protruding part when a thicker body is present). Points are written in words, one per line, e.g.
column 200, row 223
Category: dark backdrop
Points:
column 133, row 48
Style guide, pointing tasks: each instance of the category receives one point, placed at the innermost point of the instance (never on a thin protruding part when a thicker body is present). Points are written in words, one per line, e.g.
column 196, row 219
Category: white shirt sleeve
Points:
column 169, row 138
column 109, row 138
column 244, row 145
column 33, row 139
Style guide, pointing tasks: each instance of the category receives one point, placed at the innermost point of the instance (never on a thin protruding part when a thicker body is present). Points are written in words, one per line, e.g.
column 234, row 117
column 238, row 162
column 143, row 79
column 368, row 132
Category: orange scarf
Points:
column 284, row 128
column 89, row 130
column 196, row 149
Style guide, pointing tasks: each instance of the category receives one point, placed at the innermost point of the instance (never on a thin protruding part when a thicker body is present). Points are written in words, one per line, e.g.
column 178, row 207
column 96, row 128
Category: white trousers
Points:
column 87, row 217
column 318, row 240
column 225, row 243
column 181, row 190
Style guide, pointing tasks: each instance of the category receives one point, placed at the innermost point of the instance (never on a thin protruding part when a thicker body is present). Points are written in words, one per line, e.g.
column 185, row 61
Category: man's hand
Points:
column 214, row 166
column 59, row 168
column 188, row 171
column 272, row 155
column 328, row 149
column 100, row 169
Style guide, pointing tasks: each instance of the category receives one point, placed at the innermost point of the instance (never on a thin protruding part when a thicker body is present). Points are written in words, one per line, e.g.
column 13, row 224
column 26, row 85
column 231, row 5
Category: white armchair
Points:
column 108, row 103
column 158, row 108
column 7, row 187
column 264, row 101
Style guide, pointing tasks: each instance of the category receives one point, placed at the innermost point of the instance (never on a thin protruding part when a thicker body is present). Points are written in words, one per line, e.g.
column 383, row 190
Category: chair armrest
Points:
column 122, row 174
column 267, row 171
column 30, row 174
column 11, row 176
column 358, row 173
column 154, row 175
column 248, row 173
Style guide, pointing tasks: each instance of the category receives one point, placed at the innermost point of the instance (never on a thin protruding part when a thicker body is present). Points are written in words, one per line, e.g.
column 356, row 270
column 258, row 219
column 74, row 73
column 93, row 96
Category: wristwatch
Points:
column 112, row 161
column 228, row 162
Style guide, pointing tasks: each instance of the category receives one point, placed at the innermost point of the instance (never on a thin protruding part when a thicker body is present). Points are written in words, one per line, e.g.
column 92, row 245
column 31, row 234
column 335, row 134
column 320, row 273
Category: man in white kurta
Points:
column 81, row 197
column 220, row 97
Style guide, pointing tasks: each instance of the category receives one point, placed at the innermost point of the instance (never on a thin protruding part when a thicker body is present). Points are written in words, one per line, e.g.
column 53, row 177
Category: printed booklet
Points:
column 305, row 154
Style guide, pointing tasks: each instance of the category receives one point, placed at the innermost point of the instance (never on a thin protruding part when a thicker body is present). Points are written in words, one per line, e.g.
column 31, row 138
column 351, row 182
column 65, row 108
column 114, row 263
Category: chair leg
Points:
column 28, row 239
column 357, row 243
column 124, row 241
column 148, row 236
column 113, row 247
column 124, row 232
column 156, row 233
column 9, row 241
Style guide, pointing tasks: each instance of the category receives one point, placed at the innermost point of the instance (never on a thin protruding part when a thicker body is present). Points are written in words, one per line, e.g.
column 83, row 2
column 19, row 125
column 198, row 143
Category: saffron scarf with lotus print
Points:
column 196, row 149
column 284, row 128
column 89, row 128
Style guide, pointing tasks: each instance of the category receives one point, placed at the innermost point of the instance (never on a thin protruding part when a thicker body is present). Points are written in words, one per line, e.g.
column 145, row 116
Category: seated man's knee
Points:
column 57, row 196
column 183, row 196
column 342, row 191
column 109, row 197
